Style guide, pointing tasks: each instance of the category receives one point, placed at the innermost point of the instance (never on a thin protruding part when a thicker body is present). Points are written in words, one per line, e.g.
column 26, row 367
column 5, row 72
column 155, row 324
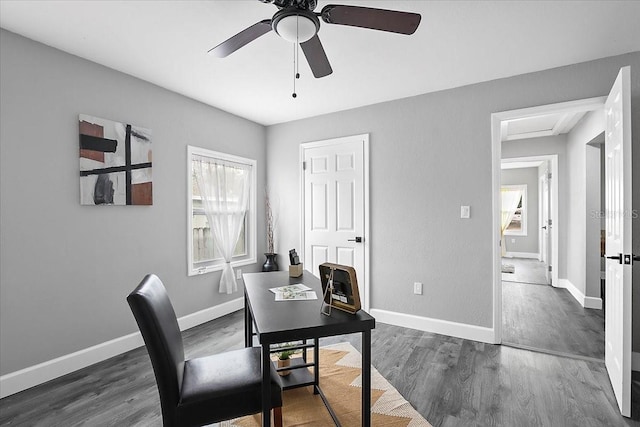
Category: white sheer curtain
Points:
column 510, row 200
column 224, row 187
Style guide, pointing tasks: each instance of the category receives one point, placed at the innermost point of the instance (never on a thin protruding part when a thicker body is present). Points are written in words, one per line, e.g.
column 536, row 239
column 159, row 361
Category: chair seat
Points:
column 203, row 390
column 232, row 380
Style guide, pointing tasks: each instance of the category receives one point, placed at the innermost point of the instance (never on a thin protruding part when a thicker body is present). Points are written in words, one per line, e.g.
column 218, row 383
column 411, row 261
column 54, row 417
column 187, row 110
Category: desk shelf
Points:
column 300, row 375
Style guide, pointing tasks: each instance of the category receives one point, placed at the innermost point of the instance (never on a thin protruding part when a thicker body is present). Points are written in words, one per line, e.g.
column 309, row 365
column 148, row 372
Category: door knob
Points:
column 544, row 227
column 358, row 239
column 617, row 257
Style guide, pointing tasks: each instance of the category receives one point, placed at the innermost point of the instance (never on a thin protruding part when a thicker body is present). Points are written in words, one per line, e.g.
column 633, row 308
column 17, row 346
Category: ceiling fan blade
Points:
column 376, row 19
column 244, row 37
column 316, row 57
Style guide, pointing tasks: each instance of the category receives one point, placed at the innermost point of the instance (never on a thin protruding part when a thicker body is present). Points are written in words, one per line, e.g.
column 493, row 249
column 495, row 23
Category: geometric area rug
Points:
column 341, row 382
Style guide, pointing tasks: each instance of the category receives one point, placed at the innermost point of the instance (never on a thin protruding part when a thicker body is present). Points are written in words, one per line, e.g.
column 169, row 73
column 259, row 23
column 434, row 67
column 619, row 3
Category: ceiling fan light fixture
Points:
column 296, row 26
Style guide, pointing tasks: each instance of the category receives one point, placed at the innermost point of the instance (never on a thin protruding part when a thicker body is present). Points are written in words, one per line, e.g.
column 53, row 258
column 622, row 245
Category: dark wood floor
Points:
column 548, row 318
column 525, row 270
column 450, row 381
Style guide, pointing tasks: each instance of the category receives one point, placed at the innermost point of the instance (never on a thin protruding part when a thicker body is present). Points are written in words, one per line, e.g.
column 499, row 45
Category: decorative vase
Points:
column 271, row 264
column 284, row 364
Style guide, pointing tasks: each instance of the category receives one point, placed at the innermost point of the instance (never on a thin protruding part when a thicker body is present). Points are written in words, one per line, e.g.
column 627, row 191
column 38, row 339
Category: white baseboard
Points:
column 437, row 326
column 585, row 301
column 522, row 255
column 592, row 302
column 23, row 379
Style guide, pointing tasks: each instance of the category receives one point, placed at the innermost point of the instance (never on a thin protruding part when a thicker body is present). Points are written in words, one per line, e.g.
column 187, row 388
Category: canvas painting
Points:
column 115, row 163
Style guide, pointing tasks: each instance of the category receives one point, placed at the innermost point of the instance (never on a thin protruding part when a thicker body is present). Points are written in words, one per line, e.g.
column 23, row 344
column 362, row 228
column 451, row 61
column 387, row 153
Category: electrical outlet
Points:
column 238, row 274
column 417, row 288
column 513, row 240
column 465, row 212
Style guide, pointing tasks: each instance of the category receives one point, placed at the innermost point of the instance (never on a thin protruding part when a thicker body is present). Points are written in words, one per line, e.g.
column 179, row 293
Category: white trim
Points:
column 496, row 208
column 583, row 300
column 436, row 326
column 366, row 236
column 251, row 257
column 211, row 313
column 592, row 302
column 635, row 361
column 31, row 376
column 531, row 255
column 552, row 159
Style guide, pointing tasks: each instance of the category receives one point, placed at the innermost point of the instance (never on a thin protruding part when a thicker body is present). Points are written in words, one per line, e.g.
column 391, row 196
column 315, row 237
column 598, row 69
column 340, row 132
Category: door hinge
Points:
column 549, row 175
column 304, row 166
column 550, row 269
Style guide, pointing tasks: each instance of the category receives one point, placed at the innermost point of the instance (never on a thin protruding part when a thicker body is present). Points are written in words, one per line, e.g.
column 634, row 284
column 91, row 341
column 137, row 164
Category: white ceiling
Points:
column 542, row 125
column 506, row 164
column 457, row 43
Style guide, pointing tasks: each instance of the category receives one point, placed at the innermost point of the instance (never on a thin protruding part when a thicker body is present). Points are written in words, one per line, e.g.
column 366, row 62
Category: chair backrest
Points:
column 157, row 321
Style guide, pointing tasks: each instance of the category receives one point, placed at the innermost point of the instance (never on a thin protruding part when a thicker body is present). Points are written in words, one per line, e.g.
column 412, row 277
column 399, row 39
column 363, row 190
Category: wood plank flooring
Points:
column 450, row 381
column 526, row 270
column 548, row 318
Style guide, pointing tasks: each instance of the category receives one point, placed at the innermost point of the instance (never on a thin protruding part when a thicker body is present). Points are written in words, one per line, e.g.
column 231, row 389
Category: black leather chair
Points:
column 203, row 390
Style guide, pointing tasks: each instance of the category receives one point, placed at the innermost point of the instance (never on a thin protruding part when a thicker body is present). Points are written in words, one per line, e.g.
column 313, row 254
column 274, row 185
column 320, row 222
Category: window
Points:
column 203, row 254
column 518, row 224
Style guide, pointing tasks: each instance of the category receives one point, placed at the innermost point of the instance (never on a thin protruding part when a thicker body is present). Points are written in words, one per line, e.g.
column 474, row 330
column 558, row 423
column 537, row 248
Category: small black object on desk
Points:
column 295, row 269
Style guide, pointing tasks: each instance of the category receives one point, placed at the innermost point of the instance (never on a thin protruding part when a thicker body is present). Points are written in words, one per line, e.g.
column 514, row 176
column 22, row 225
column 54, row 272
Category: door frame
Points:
column 589, row 104
column 364, row 281
column 545, row 212
column 553, row 215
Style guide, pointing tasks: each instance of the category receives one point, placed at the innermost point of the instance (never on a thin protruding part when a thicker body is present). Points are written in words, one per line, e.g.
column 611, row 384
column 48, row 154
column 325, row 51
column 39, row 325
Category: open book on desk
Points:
column 294, row 293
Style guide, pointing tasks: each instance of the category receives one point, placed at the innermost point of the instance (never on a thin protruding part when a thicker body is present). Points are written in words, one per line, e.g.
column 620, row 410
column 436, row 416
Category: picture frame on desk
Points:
column 344, row 295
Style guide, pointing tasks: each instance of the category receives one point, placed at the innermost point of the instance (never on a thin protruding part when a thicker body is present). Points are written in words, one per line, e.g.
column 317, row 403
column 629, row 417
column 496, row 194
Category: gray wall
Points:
column 528, row 177
column 592, row 226
column 430, row 154
column 66, row 269
column 583, row 235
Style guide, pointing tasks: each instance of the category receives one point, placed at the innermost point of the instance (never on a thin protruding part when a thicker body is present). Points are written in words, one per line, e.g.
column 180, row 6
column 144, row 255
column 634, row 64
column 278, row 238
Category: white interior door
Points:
column 334, row 186
column 544, row 229
column 618, row 239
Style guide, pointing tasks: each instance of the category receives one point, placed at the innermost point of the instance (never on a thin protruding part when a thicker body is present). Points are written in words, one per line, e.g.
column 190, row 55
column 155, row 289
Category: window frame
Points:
column 250, row 220
column 524, row 214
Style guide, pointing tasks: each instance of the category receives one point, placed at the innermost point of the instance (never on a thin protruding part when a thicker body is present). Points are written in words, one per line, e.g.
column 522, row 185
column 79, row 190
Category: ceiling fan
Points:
column 296, row 22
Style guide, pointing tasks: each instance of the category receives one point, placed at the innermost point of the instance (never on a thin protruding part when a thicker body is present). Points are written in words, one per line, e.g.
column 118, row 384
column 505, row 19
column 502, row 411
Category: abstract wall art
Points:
column 115, row 163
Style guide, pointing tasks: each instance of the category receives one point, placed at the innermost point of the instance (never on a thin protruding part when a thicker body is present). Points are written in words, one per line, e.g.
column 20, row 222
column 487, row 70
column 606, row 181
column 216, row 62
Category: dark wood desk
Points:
column 284, row 321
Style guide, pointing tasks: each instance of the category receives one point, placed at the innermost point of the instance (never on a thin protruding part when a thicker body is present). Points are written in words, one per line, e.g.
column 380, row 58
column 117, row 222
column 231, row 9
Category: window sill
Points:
column 516, row 234
column 219, row 267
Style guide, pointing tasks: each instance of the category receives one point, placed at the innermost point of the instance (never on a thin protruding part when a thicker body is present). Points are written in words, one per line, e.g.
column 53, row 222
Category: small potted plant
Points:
column 284, row 357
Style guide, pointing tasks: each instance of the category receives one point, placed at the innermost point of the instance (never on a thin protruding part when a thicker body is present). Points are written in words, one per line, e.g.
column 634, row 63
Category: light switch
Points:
column 417, row 288
column 465, row 211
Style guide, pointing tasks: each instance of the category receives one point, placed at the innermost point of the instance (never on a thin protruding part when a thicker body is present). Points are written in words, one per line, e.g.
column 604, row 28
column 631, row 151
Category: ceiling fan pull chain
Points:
column 296, row 60
column 297, row 47
column 294, row 94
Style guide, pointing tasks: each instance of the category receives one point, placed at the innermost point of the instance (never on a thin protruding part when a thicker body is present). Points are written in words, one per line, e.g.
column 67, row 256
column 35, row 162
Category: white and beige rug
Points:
column 341, row 382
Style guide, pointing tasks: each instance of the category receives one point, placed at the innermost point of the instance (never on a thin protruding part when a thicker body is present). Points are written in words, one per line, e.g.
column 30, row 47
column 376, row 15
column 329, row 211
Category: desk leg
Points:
column 366, row 378
column 266, row 386
column 316, row 365
column 248, row 325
